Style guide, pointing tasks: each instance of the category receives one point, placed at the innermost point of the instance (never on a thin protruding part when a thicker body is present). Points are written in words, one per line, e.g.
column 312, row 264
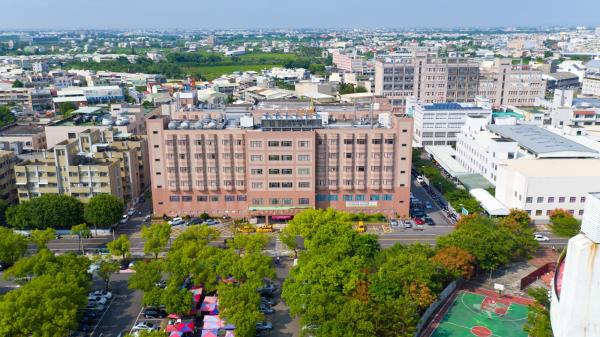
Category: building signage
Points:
column 361, row 203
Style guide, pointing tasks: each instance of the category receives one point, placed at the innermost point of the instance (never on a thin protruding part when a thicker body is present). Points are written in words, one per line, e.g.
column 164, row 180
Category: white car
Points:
column 176, row 221
column 131, row 212
column 540, row 237
column 97, row 300
column 124, row 219
column 106, row 294
column 149, row 326
column 93, row 268
column 420, row 179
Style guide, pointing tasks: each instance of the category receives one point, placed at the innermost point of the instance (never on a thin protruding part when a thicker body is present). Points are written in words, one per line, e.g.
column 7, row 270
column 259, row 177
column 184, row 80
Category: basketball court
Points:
column 483, row 314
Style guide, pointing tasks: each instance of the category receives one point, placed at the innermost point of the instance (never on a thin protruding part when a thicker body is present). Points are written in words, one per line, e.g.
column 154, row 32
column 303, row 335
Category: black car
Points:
column 429, row 221
column 154, row 313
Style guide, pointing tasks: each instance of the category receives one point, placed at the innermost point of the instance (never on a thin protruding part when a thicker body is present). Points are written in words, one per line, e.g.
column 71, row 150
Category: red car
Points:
column 419, row 221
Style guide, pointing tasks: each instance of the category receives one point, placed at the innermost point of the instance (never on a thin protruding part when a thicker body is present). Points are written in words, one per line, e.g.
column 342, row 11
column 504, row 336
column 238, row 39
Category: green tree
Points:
column 47, row 211
column 247, row 244
column 146, row 275
column 82, row 231
column 360, row 89
column 120, row 247
column 17, row 84
column 103, row 210
column 52, row 301
column 516, row 219
column 563, row 223
column 106, row 270
column 156, row 237
column 41, row 237
column 177, row 300
column 12, row 246
column 492, row 245
column 289, row 240
column 346, row 88
column 65, row 108
column 45, row 262
column 239, row 305
column 456, row 260
column 540, row 294
column 6, row 117
column 538, row 322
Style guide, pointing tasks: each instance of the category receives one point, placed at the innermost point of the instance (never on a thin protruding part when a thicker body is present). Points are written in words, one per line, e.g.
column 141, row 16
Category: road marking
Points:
column 102, row 317
column 136, row 320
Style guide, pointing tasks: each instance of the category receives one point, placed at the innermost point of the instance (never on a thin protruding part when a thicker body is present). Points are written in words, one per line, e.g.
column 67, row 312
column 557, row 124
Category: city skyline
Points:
column 65, row 14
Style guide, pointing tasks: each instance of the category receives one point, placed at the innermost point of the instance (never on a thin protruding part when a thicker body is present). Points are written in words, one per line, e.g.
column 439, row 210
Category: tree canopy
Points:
column 563, row 223
column 156, row 237
column 120, row 247
column 47, row 211
column 12, row 246
column 103, row 210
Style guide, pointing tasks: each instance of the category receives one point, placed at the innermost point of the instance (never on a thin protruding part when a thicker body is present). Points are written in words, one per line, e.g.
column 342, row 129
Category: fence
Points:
column 434, row 307
column 533, row 276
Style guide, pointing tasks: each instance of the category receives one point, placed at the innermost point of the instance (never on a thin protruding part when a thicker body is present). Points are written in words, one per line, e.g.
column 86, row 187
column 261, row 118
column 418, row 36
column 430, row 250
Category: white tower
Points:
column 575, row 309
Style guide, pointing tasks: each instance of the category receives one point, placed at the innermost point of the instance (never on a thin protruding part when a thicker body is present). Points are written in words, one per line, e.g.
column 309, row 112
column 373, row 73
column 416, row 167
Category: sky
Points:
column 216, row 14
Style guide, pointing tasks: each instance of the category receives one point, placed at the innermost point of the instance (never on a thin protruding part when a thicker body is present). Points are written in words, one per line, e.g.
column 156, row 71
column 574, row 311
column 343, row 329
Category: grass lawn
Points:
column 212, row 72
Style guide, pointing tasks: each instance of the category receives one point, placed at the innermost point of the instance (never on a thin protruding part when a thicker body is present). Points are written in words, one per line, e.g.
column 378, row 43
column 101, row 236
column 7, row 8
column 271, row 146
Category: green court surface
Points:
column 477, row 315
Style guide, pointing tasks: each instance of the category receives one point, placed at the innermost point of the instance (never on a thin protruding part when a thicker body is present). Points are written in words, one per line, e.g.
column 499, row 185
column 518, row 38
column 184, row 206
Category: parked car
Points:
column 420, row 179
column 266, row 325
column 124, row 219
column 194, row 221
column 131, row 212
column 419, row 221
column 176, row 221
column 394, row 223
column 147, row 218
column 540, row 237
column 93, row 268
column 211, row 222
column 149, row 326
column 95, row 307
column 97, row 300
column 407, row 224
column 267, row 301
column 265, row 309
column 152, row 312
column 428, row 205
column 106, row 294
column 267, row 288
column 265, row 229
column 429, row 221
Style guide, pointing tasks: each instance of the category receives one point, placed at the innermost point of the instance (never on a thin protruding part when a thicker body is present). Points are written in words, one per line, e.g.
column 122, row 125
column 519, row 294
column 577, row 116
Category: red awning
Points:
column 282, row 217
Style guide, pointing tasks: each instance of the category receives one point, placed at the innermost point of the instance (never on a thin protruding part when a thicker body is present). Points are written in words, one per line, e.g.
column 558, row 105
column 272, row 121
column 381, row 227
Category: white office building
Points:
column 439, row 123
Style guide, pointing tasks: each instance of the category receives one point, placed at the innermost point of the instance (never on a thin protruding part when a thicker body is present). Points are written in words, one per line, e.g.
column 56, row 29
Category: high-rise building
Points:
column 505, row 83
column 591, row 79
column 575, row 292
column 94, row 162
column 429, row 78
column 8, row 186
column 276, row 165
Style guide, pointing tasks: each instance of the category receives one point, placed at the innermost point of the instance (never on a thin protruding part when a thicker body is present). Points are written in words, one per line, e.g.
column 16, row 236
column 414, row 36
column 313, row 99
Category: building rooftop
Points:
column 542, row 142
column 450, row 106
column 555, row 167
column 562, row 76
column 21, row 130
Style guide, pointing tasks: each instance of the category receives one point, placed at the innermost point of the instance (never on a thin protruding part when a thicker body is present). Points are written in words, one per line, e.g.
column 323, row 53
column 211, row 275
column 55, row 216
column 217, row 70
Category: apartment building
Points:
column 8, row 186
column 22, row 137
column 505, row 83
column 94, row 162
column 273, row 165
column 348, row 62
column 429, row 78
column 591, row 79
column 439, row 123
column 19, row 96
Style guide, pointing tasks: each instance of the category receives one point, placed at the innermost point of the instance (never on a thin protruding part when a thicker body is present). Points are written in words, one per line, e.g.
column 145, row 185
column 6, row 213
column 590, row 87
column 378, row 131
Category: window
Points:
column 582, row 200
column 376, row 141
column 332, row 197
column 174, row 198
column 256, row 172
column 186, row 198
column 348, row 155
column 273, row 143
column 202, row 198
column 580, row 212
column 540, row 200
column 286, row 171
column 304, row 184
column 274, row 171
column 538, row 212
column 347, row 197
column 214, row 198
column 303, row 143
column 359, row 197
column 255, row 157
column 257, row 185
column 287, row 185
column 72, row 135
column 389, row 141
column 388, row 197
column 550, row 199
column 303, row 171
column 241, row 198
column 230, row 198
column 257, row 201
column 286, row 143
column 274, row 185
column 529, row 200
column 348, row 141
column 303, row 157
column 375, row 197
column 256, row 143
column 561, row 200
column 572, row 199
column 303, row 201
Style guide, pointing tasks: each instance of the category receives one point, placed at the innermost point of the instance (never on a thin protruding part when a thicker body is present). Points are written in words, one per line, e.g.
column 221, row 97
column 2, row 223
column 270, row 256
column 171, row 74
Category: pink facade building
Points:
column 276, row 165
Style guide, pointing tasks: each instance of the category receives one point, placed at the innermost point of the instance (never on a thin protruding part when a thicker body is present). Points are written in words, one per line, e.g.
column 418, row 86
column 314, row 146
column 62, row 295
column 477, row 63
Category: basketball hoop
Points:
column 500, row 288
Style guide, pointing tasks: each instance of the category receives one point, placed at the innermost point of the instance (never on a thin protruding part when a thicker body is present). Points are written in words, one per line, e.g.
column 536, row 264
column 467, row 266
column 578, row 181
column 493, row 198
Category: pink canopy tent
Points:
column 171, row 328
column 210, row 333
column 229, row 333
column 212, row 318
column 196, row 294
column 211, row 299
column 185, row 327
column 211, row 325
column 176, row 334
